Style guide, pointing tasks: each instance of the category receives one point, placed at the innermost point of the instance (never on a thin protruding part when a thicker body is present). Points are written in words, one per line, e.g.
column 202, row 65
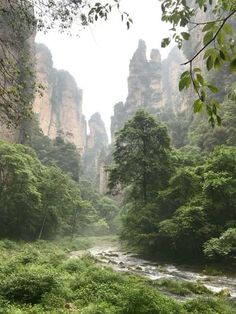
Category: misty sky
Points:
column 99, row 58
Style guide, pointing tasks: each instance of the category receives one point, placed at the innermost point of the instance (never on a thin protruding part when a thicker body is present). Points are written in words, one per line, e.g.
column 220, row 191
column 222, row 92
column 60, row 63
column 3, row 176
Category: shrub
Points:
column 208, row 306
column 28, row 285
column 182, row 288
column 223, row 248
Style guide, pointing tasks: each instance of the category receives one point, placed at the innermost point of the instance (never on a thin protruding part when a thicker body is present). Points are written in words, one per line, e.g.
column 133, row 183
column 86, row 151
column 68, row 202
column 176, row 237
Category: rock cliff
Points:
column 58, row 105
column 171, row 71
column 97, row 142
column 17, row 32
column 153, row 85
column 145, row 88
column 97, row 137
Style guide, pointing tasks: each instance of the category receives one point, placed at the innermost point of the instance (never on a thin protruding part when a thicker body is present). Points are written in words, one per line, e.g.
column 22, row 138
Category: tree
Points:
column 37, row 201
column 20, row 199
column 206, row 138
column 217, row 46
column 142, row 168
column 219, row 185
column 222, row 248
column 53, row 152
column 141, row 157
column 183, row 186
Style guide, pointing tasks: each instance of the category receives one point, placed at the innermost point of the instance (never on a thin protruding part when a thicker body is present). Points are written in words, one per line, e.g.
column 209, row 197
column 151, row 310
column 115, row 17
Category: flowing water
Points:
column 122, row 261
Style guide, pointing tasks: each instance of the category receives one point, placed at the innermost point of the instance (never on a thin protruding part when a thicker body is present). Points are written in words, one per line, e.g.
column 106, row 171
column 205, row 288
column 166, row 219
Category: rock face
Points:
column 97, row 142
column 171, row 71
column 152, row 85
column 59, row 110
column 97, row 137
column 145, row 88
column 58, row 105
column 17, row 32
column 144, row 81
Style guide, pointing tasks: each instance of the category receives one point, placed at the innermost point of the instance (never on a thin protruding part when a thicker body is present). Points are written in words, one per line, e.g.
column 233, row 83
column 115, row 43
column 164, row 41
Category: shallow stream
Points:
column 122, row 261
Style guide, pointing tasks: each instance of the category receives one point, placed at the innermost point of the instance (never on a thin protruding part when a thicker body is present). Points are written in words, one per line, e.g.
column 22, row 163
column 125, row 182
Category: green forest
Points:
column 146, row 224
column 178, row 203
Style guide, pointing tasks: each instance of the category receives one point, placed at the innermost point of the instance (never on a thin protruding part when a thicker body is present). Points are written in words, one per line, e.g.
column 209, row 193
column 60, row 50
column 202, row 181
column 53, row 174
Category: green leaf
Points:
column 217, row 63
column 196, row 70
column 185, row 73
column 185, row 35
column 200, row 79
column 232, row 65
column 209, row 52
column 227, row 28
column 184, row 82
column 209, row 63
column 215, row 103
column 220, row 38
column 165, row 42
column 208, row 26
column 212, row 88
column 211, row 121
column 222, row 55
column 203, row 95
column 218, row 119
column 208, row 37
column 197, row 106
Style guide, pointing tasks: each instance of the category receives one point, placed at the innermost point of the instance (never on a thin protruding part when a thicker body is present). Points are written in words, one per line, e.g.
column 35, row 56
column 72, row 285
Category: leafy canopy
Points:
column 141, row 156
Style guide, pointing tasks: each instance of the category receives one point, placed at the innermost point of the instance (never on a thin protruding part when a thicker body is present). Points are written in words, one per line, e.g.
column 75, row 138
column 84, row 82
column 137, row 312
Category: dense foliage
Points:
column 54, row 152
column 191, row 209
column 35, row 199
column 41, row 278
column 39, row 201
column 141, row 157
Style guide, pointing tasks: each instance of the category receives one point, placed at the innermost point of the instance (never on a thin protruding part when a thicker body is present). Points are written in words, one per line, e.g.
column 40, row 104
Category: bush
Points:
column 182, row 288
column 50, row 282
column 222, row 248
column 28, row 285
column 208, row 306
column 99, row 228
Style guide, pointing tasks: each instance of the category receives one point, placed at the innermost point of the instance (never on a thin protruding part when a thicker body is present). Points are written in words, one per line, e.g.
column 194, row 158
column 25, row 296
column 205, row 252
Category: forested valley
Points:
column 145, row 224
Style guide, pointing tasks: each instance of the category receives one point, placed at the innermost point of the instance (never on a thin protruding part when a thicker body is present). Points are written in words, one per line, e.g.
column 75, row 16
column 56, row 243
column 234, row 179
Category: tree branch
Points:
column 213, row 38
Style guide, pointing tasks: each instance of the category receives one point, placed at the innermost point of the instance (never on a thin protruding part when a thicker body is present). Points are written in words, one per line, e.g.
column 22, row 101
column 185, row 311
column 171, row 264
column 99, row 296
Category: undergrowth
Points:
column 42, row 278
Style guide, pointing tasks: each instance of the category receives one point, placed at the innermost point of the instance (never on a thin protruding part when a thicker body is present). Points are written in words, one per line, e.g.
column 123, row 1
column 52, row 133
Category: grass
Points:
column 182, row 288
column 41, row 278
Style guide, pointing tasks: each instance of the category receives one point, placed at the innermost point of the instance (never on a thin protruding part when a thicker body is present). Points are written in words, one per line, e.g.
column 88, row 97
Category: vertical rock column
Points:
column 59, row 103
column 144, row 87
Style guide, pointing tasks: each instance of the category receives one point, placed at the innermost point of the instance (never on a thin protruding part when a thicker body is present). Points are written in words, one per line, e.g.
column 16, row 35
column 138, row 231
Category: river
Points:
column 113, row 256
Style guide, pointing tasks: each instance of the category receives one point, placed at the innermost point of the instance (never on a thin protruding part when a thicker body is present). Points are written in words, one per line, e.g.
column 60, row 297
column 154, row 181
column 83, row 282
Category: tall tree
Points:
column 141, row 157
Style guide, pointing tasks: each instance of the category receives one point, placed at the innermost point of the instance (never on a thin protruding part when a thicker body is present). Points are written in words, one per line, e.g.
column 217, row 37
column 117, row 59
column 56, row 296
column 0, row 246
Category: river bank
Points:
column 48, row 277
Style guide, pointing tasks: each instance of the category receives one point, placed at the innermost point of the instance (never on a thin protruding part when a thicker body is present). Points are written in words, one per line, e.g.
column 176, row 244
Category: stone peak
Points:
column 140, row 53
column 95, row 117
column 155, row 55
column 142, row 44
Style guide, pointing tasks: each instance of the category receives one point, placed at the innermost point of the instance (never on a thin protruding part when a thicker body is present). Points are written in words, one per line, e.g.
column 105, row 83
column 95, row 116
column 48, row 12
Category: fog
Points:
column 98, row 56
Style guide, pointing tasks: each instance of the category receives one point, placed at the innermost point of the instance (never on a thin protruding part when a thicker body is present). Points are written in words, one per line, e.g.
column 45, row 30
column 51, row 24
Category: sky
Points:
column 99, row 57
